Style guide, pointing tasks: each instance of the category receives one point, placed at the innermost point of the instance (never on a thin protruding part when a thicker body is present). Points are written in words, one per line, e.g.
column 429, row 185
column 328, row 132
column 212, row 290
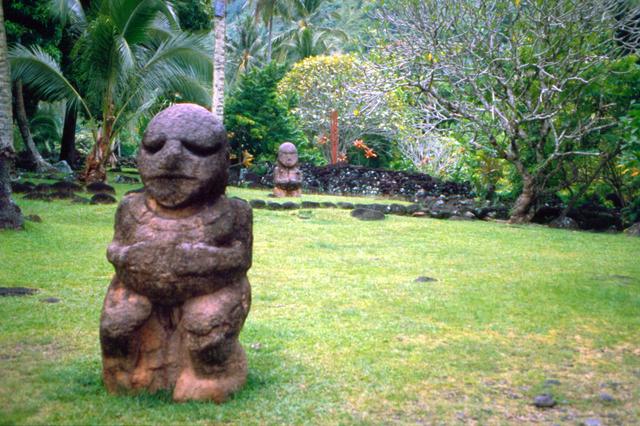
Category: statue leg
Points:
column 123, row 313
column 215, row 364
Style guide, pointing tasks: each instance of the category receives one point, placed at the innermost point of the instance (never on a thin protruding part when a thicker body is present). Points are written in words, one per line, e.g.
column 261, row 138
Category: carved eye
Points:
column 201, row 150
column 153, row 145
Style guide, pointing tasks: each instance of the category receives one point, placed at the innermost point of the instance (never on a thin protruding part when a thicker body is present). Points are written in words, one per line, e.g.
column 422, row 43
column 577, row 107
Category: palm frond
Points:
column 41, row 73
column 69, row 11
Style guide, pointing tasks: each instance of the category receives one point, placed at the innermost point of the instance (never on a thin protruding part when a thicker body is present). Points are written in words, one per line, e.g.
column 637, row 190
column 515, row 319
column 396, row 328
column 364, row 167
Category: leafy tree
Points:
column 130, row 54
column 10, row 214
column 511, row 75
column 256, row 118
column 339, row 83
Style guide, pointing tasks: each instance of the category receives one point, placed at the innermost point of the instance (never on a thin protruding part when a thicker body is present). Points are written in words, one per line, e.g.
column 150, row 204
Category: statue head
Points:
column 183, row 159
column 288, row 155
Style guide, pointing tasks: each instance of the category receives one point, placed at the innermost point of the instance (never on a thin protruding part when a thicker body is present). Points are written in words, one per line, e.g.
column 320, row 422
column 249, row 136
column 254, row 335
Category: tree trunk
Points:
column 68, row 144
column 41, row 166
column 269, row 40
column 96, row 163
column 10, row 214
column 523, row 209
column 219, row 59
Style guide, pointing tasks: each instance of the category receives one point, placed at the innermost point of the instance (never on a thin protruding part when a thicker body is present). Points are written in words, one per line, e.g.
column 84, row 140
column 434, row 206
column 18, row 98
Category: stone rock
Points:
column 469, row 215
column 605, row 397
column 101, row 198
column 592, row 422
column 271, row 205
column 397, row 209
column 328, row 205
column 126, row 179
column 33, row 218
column 564, row 223
column 41, row 196
column 425, row 280
column 633, row 230
column 258, row 204
column 181, row 251
column 345, row 205
column 440, row 214
column 544, row 401
column 287, row 177
column 551, row 382
column 63, row 167
column 290, row 205
column 51, row 300
column 65, row 186
column 22, row 187
column 17, row 291
column 101, row 187
column 310, row 205
column 367, row 214
column 419, row 214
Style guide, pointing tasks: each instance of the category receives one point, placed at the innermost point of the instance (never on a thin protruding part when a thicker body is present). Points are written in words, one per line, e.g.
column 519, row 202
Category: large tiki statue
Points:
column 287, row 177
column 181, row 252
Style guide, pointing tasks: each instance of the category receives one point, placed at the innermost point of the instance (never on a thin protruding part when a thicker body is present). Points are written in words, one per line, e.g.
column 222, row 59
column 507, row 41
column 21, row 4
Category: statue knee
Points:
column 124, row 311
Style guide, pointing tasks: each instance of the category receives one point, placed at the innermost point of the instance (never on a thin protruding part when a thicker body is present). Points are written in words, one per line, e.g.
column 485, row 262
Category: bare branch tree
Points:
column 509, row 74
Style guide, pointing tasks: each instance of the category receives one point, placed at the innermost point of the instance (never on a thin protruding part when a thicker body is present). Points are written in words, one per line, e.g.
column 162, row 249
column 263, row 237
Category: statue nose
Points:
column 171, row 154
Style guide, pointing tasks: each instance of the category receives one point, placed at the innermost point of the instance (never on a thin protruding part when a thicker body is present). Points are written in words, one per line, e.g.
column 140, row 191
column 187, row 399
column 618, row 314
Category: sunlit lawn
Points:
column 340, row 332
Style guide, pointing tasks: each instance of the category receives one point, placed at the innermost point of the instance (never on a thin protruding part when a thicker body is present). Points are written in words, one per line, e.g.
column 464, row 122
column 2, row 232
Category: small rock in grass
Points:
column 551, row 382
column 65, row 186
column 272, row 205
column 258, row 204
column 419, row 214
column 367, row 214
column 102, row 198
column 17, row 291
column 256, row 346
column 564, row 223
column 51, row 300
column 126, row 179
column 305, row 214
column 592, row 422
column 605, row 397
column 80, row 200
column 33, row 218
column 544, row 401
column 290, row 205
column 398, row 209
column 328, row 205
column 633, row 230
column 310, row 205
column 425, row 280
column 22, row 188
column 41, row 196
column 345, row 206
column 101, row 188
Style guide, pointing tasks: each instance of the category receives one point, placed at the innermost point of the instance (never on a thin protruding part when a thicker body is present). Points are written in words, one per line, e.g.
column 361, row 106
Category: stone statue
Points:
column 181, row 251
column 287, row 177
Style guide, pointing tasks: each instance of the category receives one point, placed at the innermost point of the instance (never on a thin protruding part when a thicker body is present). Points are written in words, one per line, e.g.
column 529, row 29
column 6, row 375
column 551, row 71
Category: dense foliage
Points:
column 256, row 118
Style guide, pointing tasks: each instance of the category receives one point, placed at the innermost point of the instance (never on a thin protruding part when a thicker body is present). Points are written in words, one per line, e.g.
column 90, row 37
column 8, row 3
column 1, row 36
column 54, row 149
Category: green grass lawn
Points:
column 339, row 331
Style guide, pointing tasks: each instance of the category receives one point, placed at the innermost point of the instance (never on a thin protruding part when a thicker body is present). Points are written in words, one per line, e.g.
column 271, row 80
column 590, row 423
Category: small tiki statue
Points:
column 181, row 252
column 287, row 177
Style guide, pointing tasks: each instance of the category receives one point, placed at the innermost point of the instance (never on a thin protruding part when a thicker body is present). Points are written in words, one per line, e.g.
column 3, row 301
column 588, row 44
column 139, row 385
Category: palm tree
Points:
column 312, row 31
column 131, row 53
column 219, row 57
column 10, row 215
column 267, row 10
column 246, row 49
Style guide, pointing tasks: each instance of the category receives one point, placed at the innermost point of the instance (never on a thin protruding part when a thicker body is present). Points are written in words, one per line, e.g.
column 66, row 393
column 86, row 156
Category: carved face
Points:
column 288, row 155
column 183, row 158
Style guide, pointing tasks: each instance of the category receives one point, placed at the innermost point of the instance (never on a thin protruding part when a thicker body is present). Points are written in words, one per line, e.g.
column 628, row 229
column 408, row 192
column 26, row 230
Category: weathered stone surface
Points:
column 328, row 205
column 66, row 186
column 258, row 204
column 63, row 167
column 101, row 198
column 345, row 206
column 544, row 401
column 367, row 214
column 564, row 223
column 310, row 205
column 126, row 179
column 425, row 280
column 22, row 187
column 50, row 300
column 101, row 187
column 17, row 291
column 287, row 177
column 181, row 251
column 633, row 230
column 290, row 205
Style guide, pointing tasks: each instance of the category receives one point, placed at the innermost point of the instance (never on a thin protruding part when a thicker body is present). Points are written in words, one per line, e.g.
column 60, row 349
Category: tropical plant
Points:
column 267, row 10
column 512, row 75
column 257, row 119
column 10, row 214
column 245, row 49
column 130, row 54
column 322, row 84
